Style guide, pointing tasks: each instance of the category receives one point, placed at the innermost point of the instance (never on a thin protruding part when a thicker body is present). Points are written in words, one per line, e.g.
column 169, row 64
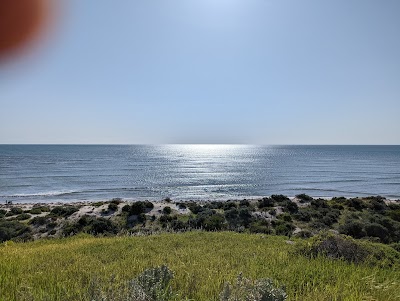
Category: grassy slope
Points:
column 62, row 269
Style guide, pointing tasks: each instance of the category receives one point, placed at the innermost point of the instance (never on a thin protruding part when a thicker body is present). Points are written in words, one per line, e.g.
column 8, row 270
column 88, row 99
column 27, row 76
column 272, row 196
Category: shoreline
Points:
column 53, row 202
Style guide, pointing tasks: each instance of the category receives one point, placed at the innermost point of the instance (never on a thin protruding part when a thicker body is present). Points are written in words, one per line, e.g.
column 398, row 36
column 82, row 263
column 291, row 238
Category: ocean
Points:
column 66, row 173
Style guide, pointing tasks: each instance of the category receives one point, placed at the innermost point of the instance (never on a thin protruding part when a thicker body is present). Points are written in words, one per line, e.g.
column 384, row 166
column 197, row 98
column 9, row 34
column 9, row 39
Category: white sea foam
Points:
column 40, row 194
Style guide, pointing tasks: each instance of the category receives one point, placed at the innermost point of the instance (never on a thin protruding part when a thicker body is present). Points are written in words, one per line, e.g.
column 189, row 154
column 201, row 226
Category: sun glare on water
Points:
column 205, row 149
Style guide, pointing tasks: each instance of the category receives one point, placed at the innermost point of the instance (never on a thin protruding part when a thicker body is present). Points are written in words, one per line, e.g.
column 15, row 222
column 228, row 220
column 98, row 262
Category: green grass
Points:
column 64, row 269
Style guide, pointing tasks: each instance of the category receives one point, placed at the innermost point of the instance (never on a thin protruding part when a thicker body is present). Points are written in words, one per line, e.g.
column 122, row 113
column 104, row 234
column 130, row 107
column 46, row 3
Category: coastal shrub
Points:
column 339, row 200
column 208, row 220
column 98, row 204
column 285, row 217
column 238, row 217
column 148, row 205
column 377, row 230
column 137, row 208
column 260, row 226
column 51, row 225
column 244, row 203
column 353, row 228
column 348, row 249
column 336, row 206
column 167, row 210
column 377, row 204
column 356, row 204
column 214, row 205
column 37, row 209
column 14, row 211
column 229, row 205
column 181, row 206
column 39, row 220
column 246, row 289
column 304, row 234
column 329, row 219
column 90, row 225
column 396, row 246
column 142, row 218
column 116, row 201
column 279, row 198
column 283, row 228
column 266, row 203
column 101, row 226
column 166, row 220
column 2, row 213
column 126, row 208
column 155, row 283
column 151, row 285
column 14, row 230
column 290, row 206
column 393, row 214
column 394, row 206
column 214, row 222
column 63, row 211
column 319, row 203
column 112, row 207
column 304, row 198
column 178, row 225
column 302, row 215
column 23, row 216
column 195, row 208
column 317, row 224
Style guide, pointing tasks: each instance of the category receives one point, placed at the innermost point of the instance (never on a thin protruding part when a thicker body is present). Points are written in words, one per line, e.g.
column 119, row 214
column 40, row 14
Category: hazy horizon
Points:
column 210, row 72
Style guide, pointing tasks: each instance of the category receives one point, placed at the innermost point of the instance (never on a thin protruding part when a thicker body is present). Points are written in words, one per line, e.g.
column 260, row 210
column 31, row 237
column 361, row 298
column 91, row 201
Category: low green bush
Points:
column 140, row 207
column 39, row 220
column 126, row 208
column 246, row 289
column 14, row 230
column 91, row 225
column 195, row 208
column 23, row 216
column 266, row 203
column 39, row 209
column 348, row 249
column 167, row 210
column 116, row 201
column 279, row 198
column 151, row 285
column 260, row 226
column 304, row 198
column 63, row 211
column 283, row 227
column 229, row 205
column 112, row 206
column 244, row 203
column 14, row 211
column 35, row 211
column 290, row 207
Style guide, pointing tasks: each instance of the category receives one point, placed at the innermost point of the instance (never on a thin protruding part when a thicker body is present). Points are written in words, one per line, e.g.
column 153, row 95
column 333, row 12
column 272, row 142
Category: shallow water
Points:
column 47, row 173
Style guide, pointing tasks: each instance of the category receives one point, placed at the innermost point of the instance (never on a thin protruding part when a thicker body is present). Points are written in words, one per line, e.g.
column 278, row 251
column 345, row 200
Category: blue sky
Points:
column 210, row 71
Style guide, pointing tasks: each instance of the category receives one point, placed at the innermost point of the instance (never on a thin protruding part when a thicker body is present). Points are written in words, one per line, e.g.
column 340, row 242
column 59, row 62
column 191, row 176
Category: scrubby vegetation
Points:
column 371, row 218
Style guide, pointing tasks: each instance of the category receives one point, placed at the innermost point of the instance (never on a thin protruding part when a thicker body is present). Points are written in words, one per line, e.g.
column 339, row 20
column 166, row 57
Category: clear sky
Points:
column 210, row 71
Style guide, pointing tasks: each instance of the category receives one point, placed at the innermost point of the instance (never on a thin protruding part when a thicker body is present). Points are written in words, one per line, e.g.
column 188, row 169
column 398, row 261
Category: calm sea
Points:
column 46, row 173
